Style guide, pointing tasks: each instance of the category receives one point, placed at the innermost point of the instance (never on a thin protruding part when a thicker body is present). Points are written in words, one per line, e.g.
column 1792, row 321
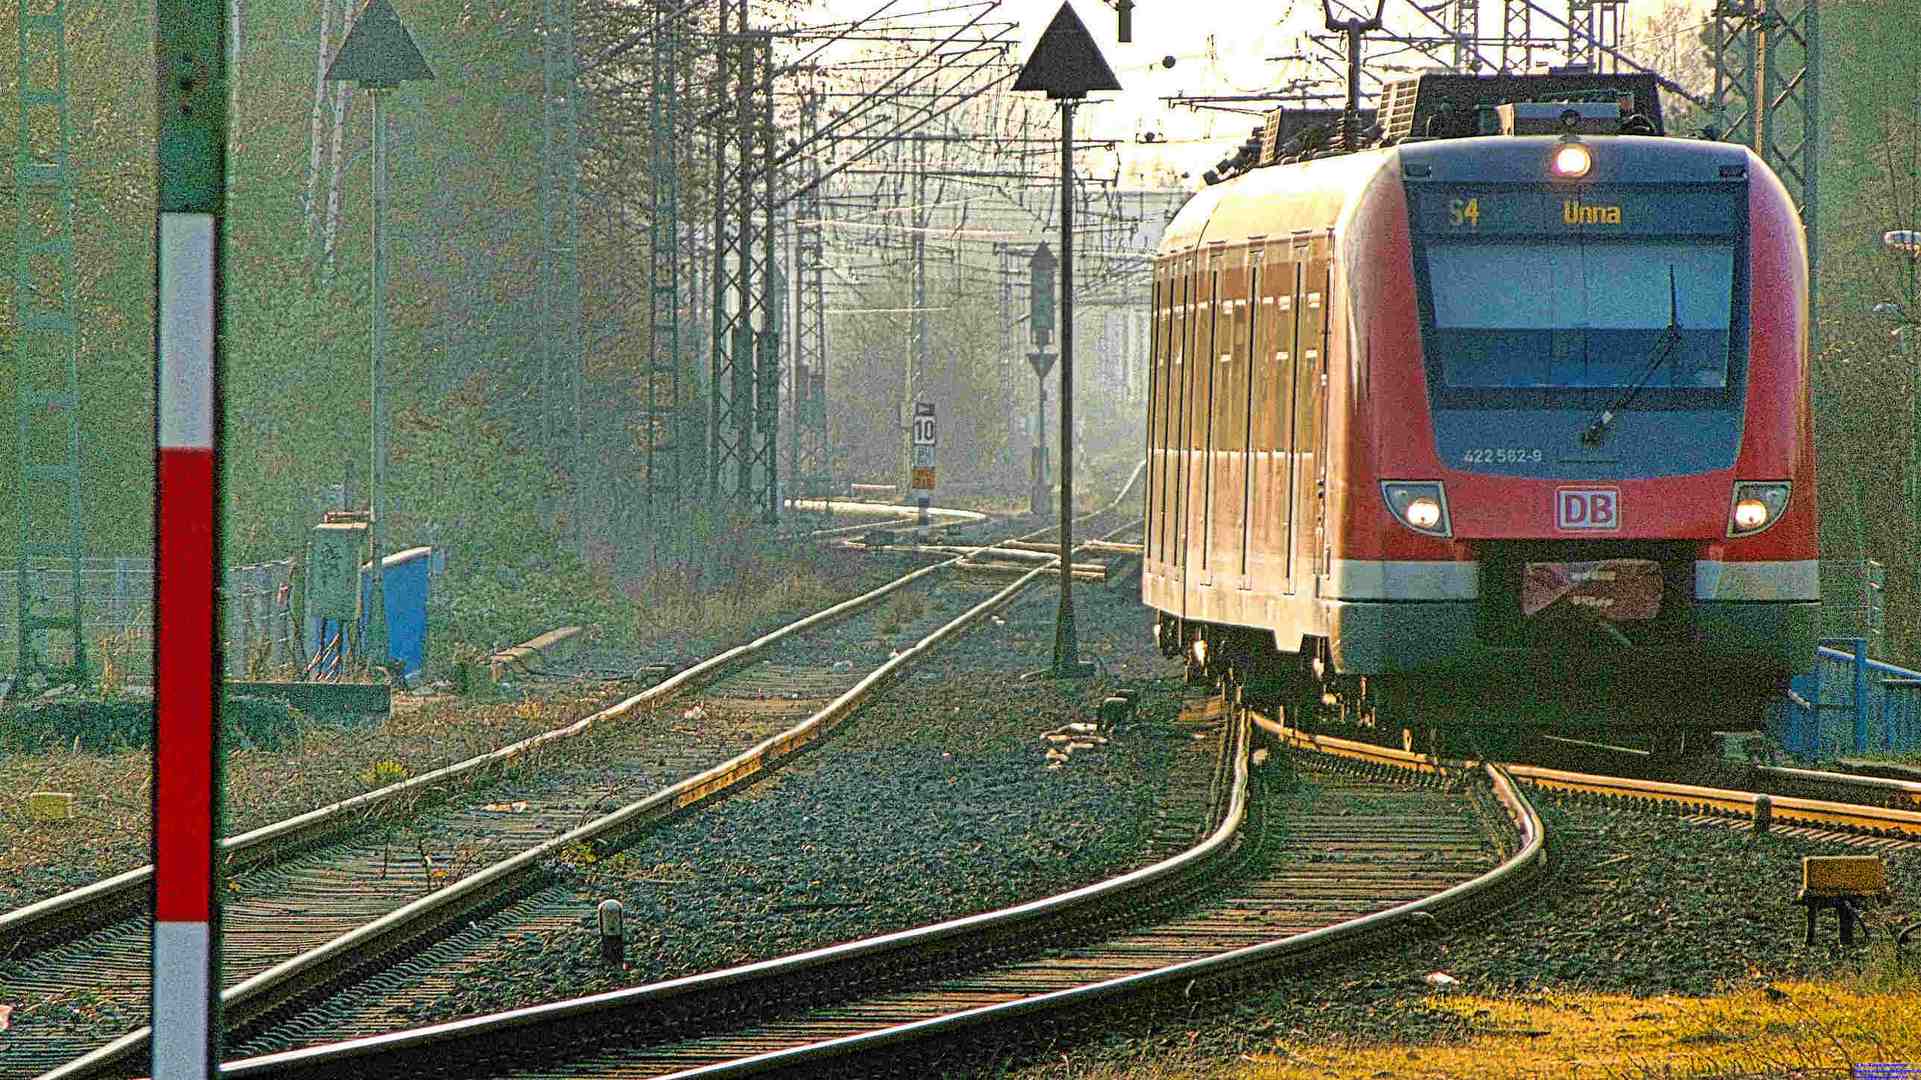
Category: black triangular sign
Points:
column 1066, row 63
column 1041, row 362
column 379, row 52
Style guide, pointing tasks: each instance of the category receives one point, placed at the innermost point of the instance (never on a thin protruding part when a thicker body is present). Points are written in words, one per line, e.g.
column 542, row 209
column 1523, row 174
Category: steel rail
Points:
column 471, row 1039
column 621, row 1007
column 1775, row 779
column 46, row 920
column 1785, row 809
column 339, row 959
column 55, row 919
column 1489, row 891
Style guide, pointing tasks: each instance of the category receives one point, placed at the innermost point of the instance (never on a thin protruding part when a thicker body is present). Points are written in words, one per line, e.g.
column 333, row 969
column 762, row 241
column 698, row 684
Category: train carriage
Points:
column 1456, row 423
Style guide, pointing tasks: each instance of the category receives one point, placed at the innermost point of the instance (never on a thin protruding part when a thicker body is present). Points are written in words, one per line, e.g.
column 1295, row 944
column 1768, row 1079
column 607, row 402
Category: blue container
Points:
column 406, row 575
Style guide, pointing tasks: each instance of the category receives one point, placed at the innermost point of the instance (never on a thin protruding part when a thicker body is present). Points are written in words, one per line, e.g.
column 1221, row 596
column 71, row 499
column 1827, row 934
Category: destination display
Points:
column 1607, row 211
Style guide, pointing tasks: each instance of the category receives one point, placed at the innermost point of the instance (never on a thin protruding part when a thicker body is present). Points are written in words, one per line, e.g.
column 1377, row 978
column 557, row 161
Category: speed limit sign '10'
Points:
column 924, row 429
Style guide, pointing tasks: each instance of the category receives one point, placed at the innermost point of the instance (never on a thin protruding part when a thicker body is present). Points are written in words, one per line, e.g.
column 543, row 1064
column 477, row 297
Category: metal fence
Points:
column 117, row 613
column 1851, row 600
column 1850, row 704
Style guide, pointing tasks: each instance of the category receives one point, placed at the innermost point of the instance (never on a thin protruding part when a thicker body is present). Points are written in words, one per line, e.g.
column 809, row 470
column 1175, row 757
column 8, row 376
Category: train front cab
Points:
column 1556, row 381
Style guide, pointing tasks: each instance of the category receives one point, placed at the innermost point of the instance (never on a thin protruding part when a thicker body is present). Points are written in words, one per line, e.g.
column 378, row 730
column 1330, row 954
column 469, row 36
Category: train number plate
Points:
column 1618, row 590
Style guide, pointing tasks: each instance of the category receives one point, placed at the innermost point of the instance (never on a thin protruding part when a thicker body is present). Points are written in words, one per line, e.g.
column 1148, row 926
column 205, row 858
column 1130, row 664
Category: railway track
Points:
column 1577, row 755
column 1357, row 863
column 1860, row 811
column 314, row 908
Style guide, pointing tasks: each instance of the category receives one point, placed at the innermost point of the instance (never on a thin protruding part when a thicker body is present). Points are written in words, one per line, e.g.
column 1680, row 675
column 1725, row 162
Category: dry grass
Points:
column 672, row 604
column 324, row 763
column 1802, row 1029
column 1798, row 1029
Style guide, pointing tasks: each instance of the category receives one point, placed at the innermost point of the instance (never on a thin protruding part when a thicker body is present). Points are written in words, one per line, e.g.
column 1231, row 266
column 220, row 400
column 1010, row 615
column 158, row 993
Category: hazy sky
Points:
column 1220, row 47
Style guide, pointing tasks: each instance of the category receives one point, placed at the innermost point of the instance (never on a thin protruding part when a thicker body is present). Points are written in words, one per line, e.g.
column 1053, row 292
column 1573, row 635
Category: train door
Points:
column 1187, row 271
column 1273, row 483
column 1172, row 430
column 1256, row 320
column 1315, row 313
column 1228, row 556
column 1300, row 442
column 1156, row 402
column 1200, row 387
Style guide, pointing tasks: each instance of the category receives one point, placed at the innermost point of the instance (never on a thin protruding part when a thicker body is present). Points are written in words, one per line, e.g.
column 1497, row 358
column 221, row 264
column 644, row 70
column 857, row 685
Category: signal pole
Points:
column 378, row 54
column 1066, row 64
column 1066, row 645
column 1040, row 322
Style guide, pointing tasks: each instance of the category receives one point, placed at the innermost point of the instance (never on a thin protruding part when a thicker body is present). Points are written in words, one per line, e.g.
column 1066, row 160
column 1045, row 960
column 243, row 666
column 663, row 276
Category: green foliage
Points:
column 1865, row 422
column 967, row 377
column 501, row 604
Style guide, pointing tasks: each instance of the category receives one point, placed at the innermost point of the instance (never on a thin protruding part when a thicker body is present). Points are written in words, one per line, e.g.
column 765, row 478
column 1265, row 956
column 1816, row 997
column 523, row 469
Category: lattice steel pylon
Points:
column 744, row 390
column 46, row 343
column 722, row 448
column 761, row 486
column 561, row 356
column 661, row 434
column 1593, row 29
column 1767, row 82
column 1517, row 35
column 1464, row 26
column 812, row 473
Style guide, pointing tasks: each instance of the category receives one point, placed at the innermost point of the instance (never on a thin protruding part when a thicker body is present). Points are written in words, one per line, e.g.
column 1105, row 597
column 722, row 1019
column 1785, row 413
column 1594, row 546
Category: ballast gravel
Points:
column 938, row 800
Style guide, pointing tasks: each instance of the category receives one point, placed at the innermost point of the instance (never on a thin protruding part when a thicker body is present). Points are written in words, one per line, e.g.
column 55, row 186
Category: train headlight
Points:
column 1419, row 505
column 1756, row 506
column 1571, row 160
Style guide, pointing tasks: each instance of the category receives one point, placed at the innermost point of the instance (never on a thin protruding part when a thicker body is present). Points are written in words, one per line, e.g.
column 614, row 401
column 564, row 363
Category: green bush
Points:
column 249, row 723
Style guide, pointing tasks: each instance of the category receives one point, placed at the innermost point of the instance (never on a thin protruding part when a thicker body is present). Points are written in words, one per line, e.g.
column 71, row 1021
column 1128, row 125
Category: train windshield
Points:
column 1574, row 313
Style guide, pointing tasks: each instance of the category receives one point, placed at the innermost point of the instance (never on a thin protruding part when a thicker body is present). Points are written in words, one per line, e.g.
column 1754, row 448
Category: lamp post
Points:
column 378, row 54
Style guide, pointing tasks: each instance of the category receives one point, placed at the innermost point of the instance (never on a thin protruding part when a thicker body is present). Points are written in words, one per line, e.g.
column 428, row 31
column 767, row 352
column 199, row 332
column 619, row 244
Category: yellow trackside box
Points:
column 50, row 806
column 1843, row 875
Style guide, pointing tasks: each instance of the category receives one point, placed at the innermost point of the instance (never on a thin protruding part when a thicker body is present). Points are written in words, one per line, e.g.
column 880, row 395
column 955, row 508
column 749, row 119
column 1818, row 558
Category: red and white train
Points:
column 1506, row 428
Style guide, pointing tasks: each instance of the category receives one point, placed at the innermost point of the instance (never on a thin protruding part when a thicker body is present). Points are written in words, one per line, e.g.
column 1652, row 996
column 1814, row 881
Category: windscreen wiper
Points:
column 1598, row 430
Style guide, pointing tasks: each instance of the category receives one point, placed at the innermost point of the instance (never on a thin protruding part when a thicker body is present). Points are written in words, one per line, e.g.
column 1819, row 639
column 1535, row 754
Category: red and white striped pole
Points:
column 186, row 748
column 191, row 100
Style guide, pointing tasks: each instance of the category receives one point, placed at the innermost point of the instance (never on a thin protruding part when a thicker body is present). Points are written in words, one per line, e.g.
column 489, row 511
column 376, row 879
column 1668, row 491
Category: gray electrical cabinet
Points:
column 335, row 553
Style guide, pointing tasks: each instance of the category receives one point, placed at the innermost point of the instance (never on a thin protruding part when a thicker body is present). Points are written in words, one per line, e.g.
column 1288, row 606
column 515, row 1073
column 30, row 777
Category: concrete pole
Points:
column 376, row 649
column 1067, row 662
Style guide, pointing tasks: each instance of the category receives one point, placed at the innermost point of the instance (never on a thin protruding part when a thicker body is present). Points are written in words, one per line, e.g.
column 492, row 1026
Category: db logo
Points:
column 1587, row 508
